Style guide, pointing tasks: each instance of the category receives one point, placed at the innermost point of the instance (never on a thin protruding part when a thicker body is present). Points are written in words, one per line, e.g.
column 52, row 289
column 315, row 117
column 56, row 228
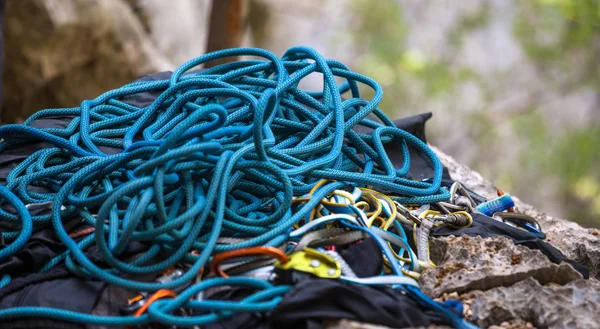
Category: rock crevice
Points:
column 475, row 263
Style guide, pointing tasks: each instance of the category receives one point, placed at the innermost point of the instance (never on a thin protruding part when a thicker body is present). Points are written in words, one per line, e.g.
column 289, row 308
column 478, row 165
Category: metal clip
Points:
column 402, row 210
column 170, row 276
column 135, row 303
column 456, row 192
column 42, row 206
column 455, row 219
column 312, row 261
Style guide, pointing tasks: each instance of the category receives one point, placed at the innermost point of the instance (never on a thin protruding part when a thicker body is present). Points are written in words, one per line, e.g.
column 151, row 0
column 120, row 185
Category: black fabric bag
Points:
column 57, row 289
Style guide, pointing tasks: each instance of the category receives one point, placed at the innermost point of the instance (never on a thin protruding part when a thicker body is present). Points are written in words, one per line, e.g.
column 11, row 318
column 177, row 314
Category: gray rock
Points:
column 574, row 305
column 578, row 243
column 474, row 263
column 59, row 53
column 515, row 324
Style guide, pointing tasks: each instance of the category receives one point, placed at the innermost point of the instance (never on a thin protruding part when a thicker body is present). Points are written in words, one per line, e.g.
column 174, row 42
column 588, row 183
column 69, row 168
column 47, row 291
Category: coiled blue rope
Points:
column 26, row 224
column 219, row 153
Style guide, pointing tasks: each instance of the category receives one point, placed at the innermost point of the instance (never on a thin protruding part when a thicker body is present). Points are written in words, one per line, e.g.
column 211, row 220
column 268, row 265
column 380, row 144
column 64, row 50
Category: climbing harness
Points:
column 229, row 176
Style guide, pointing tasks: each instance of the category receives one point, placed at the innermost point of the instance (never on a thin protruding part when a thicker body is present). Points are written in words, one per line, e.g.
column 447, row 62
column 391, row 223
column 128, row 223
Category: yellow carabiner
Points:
column 428, row 212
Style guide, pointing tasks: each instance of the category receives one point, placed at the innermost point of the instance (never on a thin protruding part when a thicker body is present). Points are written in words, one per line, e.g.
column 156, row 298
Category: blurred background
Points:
column 514, row 86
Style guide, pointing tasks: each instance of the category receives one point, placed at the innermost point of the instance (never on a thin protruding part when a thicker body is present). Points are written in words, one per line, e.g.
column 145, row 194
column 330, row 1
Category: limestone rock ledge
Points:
column 475, row 263
column 576, row 242
column 574, row 305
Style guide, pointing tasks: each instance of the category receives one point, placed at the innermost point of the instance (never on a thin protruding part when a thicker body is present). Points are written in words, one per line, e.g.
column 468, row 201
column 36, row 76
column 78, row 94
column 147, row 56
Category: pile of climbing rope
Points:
column 231, row 169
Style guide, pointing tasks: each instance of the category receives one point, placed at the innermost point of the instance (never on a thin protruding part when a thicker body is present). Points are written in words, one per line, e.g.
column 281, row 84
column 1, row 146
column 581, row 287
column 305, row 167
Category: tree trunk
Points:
column 228, row 20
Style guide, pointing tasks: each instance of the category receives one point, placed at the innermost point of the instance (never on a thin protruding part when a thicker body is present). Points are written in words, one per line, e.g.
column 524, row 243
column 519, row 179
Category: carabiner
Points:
column 244, row 252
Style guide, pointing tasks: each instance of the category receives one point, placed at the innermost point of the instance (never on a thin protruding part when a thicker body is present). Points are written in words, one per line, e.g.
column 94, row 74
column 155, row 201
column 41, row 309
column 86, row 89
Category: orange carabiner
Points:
column 252, row 251
column 162, row 293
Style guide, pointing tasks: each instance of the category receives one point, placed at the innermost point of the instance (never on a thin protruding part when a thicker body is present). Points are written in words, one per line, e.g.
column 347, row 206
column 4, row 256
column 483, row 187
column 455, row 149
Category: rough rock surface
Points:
column 574, row 305
column 578, row 243
column 527, row 303
column 466, row 299
column 516, row 324
column 61, row 52
column 475, row 263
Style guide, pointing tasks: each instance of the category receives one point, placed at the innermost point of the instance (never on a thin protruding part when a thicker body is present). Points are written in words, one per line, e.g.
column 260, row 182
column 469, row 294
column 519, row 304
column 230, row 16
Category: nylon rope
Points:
column 221, row 153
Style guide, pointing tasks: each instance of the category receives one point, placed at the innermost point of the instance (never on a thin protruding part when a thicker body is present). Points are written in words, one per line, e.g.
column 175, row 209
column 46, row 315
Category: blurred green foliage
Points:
column 558, row 37
column 574, row 159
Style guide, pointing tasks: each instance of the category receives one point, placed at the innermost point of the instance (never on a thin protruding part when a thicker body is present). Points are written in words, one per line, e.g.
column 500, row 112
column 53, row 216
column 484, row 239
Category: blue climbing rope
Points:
column 220, row 153
column 26, row 224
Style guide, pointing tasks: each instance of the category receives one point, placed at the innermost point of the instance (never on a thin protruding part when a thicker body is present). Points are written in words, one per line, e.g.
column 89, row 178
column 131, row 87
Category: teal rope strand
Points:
column 220, row 153
column 26, row 224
